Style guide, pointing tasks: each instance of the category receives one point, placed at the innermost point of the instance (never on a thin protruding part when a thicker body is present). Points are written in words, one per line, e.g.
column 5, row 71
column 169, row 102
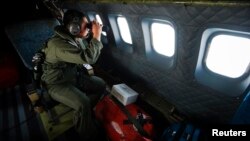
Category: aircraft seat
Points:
column 27, row 37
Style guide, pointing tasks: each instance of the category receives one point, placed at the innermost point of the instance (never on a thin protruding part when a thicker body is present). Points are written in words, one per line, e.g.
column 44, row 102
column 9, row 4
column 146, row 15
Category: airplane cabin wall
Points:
column 177, row 85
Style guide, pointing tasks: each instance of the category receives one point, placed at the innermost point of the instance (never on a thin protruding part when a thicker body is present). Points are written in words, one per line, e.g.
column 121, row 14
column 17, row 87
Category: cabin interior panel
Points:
column 177, row 85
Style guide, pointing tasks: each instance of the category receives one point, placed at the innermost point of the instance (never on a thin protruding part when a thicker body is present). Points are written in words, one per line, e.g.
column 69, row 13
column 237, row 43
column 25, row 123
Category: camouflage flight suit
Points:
column 63, row 55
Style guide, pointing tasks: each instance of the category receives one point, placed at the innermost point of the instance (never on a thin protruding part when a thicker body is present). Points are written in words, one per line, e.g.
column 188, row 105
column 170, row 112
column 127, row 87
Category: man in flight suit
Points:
column 65, row 51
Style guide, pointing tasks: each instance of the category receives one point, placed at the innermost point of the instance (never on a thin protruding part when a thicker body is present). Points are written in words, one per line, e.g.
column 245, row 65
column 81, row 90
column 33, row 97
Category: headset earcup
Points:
column 74, row 29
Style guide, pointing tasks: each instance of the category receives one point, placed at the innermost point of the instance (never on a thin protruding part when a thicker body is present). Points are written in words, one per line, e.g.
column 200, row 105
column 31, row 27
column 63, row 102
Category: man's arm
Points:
column 66, row 51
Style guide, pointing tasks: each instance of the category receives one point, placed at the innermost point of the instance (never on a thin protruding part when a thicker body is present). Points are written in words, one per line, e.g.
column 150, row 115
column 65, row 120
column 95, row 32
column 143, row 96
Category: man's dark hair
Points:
column 70, row 16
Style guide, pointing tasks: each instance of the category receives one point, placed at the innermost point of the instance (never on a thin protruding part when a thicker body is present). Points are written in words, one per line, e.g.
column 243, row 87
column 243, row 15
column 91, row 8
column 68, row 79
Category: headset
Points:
column 74, row 26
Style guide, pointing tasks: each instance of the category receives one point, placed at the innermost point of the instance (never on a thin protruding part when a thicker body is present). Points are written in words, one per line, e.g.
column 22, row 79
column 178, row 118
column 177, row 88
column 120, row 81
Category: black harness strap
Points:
column 133, row 120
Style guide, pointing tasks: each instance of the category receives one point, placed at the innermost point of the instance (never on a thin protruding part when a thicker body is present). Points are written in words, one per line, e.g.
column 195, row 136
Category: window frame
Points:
column 120, row 43
column 151, row 36
column 120, row 30
column 226, row 85
column 209, row 41
column 160, row 60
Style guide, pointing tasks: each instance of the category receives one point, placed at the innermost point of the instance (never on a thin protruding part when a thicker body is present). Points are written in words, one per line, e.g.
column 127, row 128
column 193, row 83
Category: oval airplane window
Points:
column 98, row 18
column 124, row 29
column 228, row 55
column 163, row 39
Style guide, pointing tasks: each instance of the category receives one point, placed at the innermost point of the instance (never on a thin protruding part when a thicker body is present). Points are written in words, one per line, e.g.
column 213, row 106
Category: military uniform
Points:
column 63, row 55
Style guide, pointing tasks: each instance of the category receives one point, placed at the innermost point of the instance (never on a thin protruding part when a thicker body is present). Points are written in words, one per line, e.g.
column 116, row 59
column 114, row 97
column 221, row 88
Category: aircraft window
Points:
column 228, row 55
column 124, row 29
column 163, row 38
column 160, row 41
column 98, row 18
column 224, row 61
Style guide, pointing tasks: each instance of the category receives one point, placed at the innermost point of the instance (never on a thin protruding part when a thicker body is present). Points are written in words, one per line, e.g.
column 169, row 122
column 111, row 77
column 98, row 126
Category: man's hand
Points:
column 97, row 30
